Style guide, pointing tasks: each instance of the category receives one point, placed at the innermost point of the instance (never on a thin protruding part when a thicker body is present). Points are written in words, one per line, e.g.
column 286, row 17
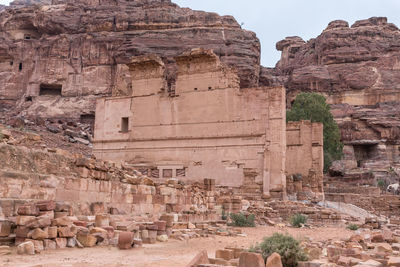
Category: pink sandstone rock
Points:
column 125, row 240
column 200, row 258
column 248, row 259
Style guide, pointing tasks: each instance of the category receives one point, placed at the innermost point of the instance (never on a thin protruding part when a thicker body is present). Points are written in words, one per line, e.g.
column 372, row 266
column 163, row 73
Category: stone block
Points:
column 24, row 220
column 248, row 259
column 47, row 205
column 26, row 248
column 22, row 231
column 152, row 234
column 38, row 234
column 71, row 242
column 86, row 239
column 28, row 210
column 162, row 238
column 61, row 242
column 65, row 232
column 63, row 221
column 200, row 258
column 5, row 228
column 225, row 254
column 39, row 222
column 125, row 240
column 80, row 223
column 161, row 225
column 5, row 250
column 383, row 248
column 38, row 245
column 49, row 244
column 52, row 231
column 60, row 214
column 62, row 207
column 102, row 220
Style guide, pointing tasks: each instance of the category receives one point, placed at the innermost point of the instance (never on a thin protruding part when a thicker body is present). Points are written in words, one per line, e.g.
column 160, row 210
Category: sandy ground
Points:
column 171, row 254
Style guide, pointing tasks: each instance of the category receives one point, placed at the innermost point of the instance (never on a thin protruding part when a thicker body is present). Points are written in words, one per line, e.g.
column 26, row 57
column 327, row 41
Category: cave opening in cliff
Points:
column 50, row 89
column 364, row 153
column 20, row 66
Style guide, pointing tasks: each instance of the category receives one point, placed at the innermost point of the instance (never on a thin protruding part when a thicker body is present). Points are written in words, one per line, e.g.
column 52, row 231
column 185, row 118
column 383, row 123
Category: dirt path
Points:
column 171, row 254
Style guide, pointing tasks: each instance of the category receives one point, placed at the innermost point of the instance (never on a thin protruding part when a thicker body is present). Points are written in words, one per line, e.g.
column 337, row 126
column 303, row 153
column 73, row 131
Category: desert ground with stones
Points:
column 166, row 254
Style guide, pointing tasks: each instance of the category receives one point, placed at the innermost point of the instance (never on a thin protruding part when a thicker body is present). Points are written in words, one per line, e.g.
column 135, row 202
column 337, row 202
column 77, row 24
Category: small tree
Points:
column 283, row 244
column 313, row 107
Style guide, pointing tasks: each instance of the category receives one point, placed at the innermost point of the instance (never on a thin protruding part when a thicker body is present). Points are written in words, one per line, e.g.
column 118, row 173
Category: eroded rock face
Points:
column 358, row 69
column 56, row 58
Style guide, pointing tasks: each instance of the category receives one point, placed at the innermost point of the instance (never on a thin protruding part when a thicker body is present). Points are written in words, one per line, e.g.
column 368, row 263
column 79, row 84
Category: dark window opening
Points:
column 209, row 88
column 181, row 172
column 27, row 37
column 20, row 66
column 167, row 173
column 11, row 63
column 28, row 99
column 50, row 89
column 195, row 89
column 363, row 153
column 125, row 125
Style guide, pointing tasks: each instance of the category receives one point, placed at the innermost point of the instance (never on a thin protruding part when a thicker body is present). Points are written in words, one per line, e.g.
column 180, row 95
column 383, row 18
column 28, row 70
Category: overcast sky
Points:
column 274, row 20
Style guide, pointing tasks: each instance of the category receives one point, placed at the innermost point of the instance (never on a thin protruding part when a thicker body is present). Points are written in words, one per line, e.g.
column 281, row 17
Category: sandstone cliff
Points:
column 55, row 59
column 358, row 69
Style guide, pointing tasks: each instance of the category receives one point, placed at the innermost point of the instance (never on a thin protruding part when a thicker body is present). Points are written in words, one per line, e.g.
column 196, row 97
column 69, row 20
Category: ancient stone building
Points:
column 304, row 159
column 205, row 126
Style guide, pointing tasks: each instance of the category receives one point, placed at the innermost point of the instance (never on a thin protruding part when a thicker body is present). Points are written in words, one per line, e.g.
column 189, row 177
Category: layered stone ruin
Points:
column 357, row 68
column 52, row 199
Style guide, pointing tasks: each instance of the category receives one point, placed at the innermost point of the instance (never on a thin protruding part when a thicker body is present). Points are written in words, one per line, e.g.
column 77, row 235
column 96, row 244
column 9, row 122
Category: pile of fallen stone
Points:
column 367, row 247
column 48, row 225
column 232, row 256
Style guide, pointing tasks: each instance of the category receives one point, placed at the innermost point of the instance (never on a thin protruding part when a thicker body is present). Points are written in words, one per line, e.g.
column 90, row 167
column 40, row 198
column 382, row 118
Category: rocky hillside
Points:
column 358, row 69
column 75, row 49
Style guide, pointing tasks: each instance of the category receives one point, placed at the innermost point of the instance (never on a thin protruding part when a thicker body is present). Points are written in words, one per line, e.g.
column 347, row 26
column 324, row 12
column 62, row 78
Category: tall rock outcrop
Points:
column 55, row 59
column 358, row 69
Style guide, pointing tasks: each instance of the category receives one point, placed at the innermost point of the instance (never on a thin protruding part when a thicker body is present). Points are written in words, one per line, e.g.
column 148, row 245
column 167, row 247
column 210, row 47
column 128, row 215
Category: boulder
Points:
column 5, row 250
column 200, row 258
column 248, row 259
column 86, row 239
column 26, row 248
column 162, row 238
column 5, row 228
column 274, row 260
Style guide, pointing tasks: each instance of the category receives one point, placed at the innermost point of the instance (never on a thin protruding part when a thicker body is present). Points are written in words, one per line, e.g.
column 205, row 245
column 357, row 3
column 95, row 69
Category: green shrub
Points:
column 241, row 220
column 288, row 247
column 381, row 184
column 353, row 227
column 298, row 220
column 223, row 216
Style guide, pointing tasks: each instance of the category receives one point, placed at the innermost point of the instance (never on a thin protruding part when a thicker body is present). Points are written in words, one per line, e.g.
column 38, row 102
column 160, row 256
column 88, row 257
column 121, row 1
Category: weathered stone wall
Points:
column 304, row 157
column 89, row 185
column 207, row 128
